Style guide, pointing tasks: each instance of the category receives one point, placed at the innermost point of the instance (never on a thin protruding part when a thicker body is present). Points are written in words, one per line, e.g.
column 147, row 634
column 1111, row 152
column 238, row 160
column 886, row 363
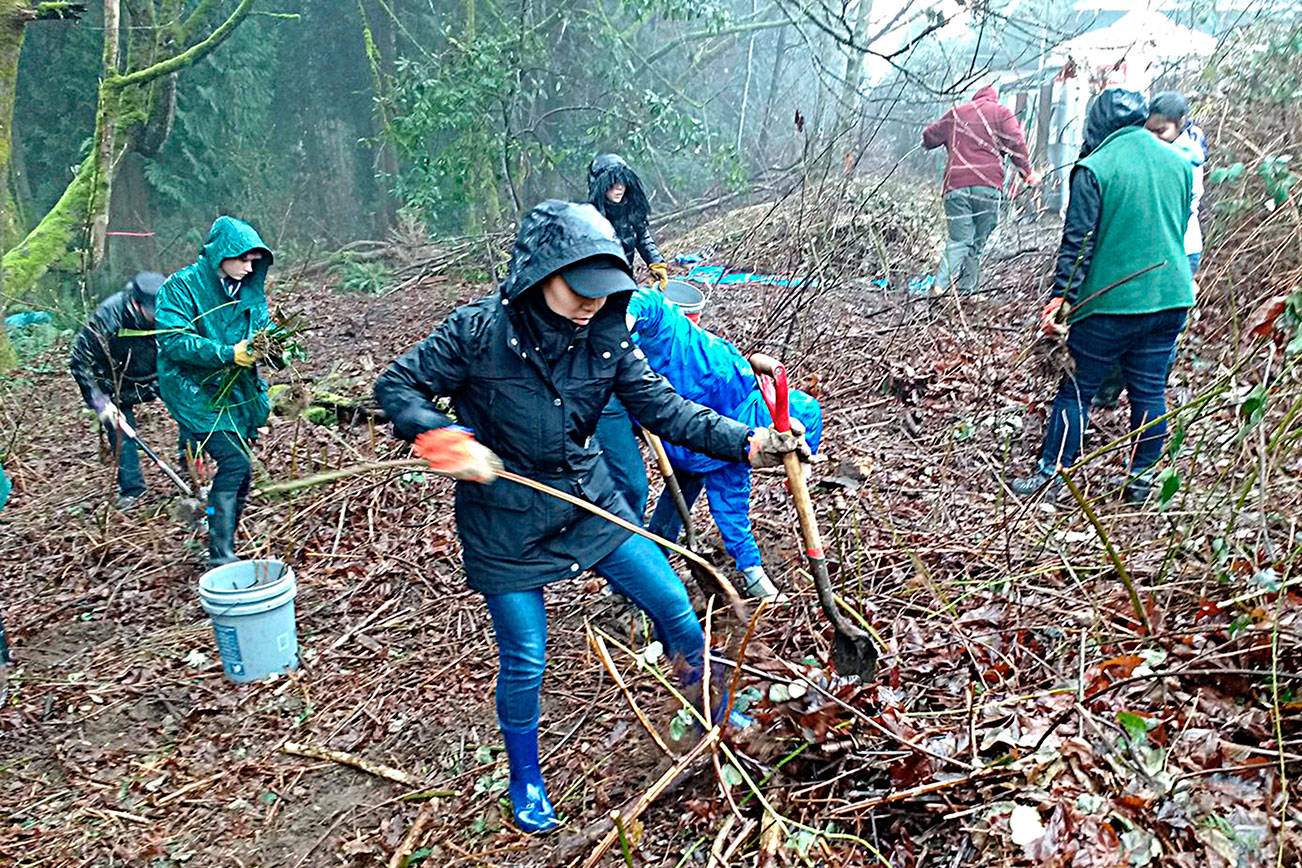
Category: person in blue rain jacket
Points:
column 709, row 370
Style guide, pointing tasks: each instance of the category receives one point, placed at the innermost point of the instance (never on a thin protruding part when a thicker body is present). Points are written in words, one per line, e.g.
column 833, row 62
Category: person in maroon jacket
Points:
column 977, row 136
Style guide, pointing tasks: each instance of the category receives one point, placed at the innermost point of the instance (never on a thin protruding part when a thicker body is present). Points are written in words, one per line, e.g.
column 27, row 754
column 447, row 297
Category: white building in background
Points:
column 1137, row 48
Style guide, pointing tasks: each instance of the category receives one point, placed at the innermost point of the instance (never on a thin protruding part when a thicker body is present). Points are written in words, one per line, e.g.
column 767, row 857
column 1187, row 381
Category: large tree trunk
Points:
column 72, row 234
column 382, row 53
column 854, row 58
column 775, row 80
column 12, row 24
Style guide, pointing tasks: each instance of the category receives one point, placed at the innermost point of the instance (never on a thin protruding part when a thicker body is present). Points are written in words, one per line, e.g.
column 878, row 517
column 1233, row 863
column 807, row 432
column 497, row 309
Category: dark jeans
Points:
column 971, row 214
column 1142, row 344
column 623, row 458
column 639, row 571
column 1109, row 392
column 131, row 482
column 230, row 486
column 665, row 520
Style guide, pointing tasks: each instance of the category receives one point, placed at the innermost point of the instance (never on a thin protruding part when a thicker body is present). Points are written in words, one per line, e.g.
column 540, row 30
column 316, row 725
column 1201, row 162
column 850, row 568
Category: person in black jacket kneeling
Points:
column 116, row 372
column 528, row 371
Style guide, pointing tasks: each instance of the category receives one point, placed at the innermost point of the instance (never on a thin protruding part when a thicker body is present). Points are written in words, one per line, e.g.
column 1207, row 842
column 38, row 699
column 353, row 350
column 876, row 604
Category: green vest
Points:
column 1145, row 188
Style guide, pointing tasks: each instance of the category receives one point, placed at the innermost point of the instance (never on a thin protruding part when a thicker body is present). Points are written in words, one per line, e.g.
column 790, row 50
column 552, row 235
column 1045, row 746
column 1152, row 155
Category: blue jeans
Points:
column 728, row 491
column 639, row 571
column 971, row 214
column 130, row 481
column 1142, row 344
column 623, row 458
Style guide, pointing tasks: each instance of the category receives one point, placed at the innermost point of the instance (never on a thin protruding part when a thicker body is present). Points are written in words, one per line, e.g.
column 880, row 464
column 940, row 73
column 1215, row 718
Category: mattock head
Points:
column 854, row 654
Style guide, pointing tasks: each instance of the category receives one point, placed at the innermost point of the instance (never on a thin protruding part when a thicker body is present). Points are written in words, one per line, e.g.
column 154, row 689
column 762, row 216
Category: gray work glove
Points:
column 768, row 446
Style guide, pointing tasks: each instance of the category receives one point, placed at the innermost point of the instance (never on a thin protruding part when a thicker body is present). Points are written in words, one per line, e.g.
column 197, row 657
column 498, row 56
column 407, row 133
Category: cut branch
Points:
column 380, row 770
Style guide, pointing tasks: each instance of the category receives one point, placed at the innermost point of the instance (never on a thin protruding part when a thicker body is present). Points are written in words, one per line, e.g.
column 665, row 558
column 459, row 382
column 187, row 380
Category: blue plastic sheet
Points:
column 27, row 318
column 718, row 275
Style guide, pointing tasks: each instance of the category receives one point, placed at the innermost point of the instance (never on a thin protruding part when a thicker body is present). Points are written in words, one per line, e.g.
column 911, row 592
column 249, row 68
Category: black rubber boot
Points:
column 1137, row 489
column 223, row 515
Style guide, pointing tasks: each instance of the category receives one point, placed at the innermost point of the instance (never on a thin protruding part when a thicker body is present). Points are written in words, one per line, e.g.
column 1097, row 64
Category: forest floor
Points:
column 1024, row 713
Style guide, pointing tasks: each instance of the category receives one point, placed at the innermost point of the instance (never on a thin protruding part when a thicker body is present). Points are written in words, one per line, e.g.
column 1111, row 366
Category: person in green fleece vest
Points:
column 1122, row 287
column 206, row 315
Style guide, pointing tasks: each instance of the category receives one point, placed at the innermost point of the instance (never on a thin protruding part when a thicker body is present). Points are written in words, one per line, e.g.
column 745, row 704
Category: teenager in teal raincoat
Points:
column 207, row 374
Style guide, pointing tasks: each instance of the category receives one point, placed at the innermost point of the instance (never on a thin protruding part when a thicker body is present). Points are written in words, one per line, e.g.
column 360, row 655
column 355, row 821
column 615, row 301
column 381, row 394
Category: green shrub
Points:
column 371, row 277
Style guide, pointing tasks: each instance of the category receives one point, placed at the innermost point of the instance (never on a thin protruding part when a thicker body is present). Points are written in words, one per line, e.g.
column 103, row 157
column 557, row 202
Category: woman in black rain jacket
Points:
column 528, row 371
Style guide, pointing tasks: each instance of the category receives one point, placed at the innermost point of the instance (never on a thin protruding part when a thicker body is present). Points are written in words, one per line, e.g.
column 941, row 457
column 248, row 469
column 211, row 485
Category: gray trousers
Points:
column 971, row 214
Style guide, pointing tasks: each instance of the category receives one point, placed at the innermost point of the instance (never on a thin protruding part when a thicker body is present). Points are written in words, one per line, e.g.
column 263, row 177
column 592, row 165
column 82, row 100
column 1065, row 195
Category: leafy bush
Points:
column 372, row 278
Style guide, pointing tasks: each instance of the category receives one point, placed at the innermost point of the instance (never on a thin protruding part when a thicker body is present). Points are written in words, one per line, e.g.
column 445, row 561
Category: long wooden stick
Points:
column 673, row 487
column 337, row 756
column 411, row 840
column 416, row 463
column 644, row 801
column 1135, row 602
column 934, row 787
column 599, row 645
column 729, row 591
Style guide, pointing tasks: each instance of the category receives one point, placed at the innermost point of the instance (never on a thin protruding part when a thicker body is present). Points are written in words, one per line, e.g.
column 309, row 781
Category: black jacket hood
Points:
column 603, row 173
column 555, row 234
column 1111, row 110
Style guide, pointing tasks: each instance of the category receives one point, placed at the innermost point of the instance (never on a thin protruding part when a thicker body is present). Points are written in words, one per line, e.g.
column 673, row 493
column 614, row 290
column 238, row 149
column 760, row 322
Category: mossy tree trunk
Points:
column 12, row 27
column 128, row 113
column 15, row 15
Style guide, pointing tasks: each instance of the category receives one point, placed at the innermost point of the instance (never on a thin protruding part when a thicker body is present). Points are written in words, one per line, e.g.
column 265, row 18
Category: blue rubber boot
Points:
column 719, row 679
column 529, row 803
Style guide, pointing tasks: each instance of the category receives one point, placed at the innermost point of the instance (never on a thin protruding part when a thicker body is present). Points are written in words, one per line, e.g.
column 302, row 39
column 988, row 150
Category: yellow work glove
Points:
column 243, row 357
column 661, row 272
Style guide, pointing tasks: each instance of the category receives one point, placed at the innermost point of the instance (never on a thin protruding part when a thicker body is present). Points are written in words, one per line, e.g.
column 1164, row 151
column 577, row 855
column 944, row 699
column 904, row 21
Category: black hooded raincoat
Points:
column 104, row 361
column 631, row 217
column 540, row 418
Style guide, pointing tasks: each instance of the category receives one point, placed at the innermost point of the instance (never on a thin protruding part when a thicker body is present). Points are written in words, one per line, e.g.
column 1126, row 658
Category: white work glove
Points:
column 757, row 585
column 108, row 412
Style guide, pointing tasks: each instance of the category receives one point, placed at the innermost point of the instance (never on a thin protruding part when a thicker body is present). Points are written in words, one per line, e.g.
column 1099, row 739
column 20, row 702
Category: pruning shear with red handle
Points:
column 853, row 650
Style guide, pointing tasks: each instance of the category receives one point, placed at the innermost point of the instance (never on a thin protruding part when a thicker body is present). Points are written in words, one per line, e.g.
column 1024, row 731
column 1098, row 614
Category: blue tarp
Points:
column 27, row 318
column 714, row 275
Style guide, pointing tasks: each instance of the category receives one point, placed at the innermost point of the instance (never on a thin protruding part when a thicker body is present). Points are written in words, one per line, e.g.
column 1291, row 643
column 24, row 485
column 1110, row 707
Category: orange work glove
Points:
column 1053, row 319
column 454, row 452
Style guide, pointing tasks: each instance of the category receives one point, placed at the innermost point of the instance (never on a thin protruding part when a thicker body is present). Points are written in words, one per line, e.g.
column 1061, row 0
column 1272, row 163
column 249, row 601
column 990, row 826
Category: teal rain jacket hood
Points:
column 199, row 325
